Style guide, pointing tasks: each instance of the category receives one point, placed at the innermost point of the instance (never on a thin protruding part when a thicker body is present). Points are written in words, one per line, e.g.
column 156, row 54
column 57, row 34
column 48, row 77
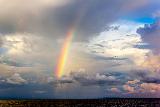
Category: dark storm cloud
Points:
column 94, row 19
column 6, row 86
column 65, row 80
column 95, row 79
column 151, row 80
column 150, row 34
column 91, row 16
column 146, row 76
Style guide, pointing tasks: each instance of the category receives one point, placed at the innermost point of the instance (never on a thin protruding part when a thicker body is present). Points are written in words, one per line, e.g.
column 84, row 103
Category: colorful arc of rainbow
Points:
column 64, row 53
column 67, row 42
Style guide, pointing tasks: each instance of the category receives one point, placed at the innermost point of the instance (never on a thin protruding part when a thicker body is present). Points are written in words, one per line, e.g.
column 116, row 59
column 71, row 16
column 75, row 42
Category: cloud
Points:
column 26, row 55
column 94, row 79
column 52, row 18
column 133, row 81
column 131, row 86
column 119, row 46
column 146, row 76
column 65, row 79
column 151, row 79
column 128, row 88
column 31, row 7
column 28, row 14
column 16, row 79
column 30, row 31
column 89, row 23
column 150, row 34
column 142, row 88
column 115, row 90
column 152, row 63
column 156, row 14
column 150, row 87
column 20, row 50
column 40, row 92
column 109, row 58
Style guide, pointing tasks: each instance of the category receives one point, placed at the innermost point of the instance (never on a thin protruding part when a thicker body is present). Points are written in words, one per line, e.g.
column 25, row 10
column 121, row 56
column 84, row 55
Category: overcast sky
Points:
column 114, row 52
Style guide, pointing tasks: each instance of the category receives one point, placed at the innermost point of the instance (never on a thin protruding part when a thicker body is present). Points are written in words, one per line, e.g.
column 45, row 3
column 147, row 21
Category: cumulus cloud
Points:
column 115, row 90
column 152, row 63
column 128, row 88
column 142, row 88
column 25, row 54
column 16, row 79
column 150, row 87
column 94, row 79
column 150, row 34
column 119, row 45
column 148, row 76
column 133, row 81
column 26, row 50
column 65, row 79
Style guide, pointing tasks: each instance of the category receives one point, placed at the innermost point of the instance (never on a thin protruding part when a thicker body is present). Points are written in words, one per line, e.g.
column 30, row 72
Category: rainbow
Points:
column 59, row 72
column 64, row 53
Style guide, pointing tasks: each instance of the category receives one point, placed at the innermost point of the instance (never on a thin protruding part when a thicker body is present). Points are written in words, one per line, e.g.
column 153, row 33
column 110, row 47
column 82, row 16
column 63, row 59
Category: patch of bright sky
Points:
column 144, row 20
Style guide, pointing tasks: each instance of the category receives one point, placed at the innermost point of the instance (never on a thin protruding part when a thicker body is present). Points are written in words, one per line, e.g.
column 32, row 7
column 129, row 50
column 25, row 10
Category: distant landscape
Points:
column 82, row 103
column 79, row 49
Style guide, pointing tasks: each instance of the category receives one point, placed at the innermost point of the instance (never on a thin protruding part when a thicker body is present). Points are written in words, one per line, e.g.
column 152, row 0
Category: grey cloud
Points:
column 147, row 77
column 40, row 92
column 151, row 80
column 16, row 79
column 112, row 28
column 96, row 79
column 65, row 79
column 99, row 45
column 18, row 91
column 150, row 34
column 92, row 16
column 97, row 15
column 9, row 62
column 85, row 79
column 109, row 58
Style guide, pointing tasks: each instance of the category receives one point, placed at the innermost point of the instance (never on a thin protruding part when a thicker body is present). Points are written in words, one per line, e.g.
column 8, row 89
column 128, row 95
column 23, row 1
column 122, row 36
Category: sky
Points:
column 79, row 49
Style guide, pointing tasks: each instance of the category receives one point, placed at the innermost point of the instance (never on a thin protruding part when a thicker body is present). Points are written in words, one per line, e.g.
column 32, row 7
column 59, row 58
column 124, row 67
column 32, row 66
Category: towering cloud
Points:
column 150, row 34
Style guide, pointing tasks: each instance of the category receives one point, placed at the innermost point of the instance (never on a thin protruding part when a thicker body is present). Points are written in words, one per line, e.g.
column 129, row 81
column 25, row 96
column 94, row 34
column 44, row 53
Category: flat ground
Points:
column 82, row 103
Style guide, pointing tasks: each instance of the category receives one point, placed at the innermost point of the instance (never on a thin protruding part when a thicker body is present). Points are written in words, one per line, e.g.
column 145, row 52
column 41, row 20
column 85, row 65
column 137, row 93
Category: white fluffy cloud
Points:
column 122, row 42
column 152, row 63
column 16, row 79
column 27, row 48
